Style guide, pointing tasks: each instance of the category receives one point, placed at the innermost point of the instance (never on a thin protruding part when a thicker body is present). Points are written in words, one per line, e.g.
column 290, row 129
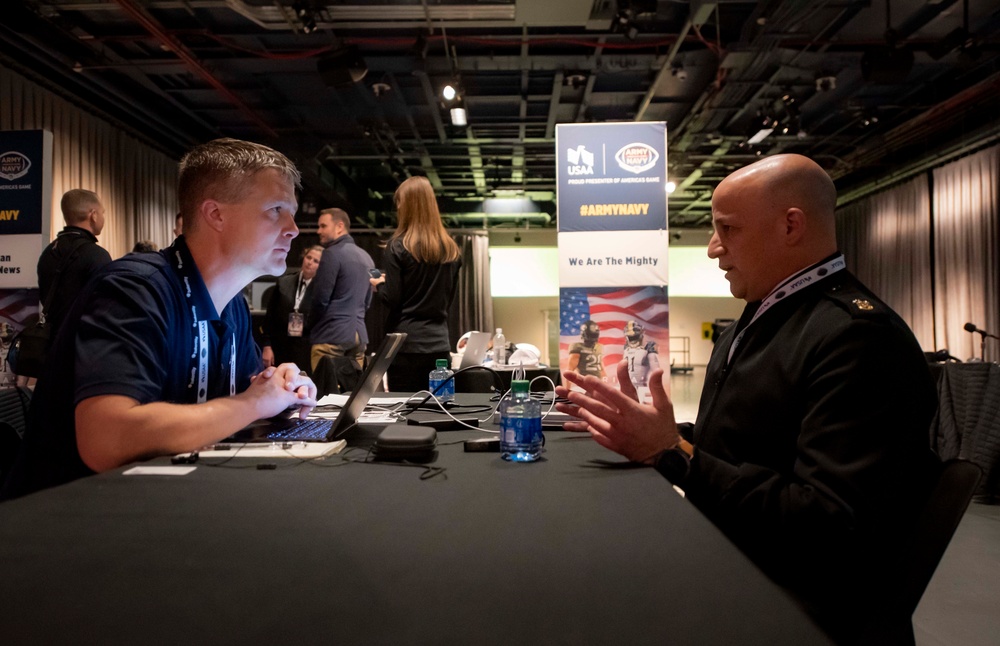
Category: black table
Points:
column 560, row 551
column 967, row 423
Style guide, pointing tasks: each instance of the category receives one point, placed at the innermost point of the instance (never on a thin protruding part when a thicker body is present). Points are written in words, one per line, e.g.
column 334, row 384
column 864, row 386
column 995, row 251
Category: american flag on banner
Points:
column 611, row 309
column 16, row 305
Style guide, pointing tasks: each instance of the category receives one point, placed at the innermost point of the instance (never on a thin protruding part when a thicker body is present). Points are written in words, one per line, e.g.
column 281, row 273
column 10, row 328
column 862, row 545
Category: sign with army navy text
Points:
column 25, row 204
column 611, row 176
column 613, row 244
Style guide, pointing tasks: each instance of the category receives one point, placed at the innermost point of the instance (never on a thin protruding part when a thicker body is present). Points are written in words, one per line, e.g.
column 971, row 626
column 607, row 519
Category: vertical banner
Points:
column 25, row 209
column 613, row 244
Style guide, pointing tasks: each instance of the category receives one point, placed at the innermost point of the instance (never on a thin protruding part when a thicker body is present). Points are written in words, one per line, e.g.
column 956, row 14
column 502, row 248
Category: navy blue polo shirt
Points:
column 132, row 332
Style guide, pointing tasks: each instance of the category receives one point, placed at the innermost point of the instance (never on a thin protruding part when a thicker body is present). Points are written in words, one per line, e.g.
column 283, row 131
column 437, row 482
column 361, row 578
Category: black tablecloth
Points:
column 561, row 551
column 968, row 421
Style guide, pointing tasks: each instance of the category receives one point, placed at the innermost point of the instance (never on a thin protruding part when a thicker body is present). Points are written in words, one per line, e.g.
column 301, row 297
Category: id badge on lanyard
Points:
column 295, row 324
column 787, row 288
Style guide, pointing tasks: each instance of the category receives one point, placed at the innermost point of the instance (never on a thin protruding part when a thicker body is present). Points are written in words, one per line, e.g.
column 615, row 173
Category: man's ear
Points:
column 210, row 212
column 795, row 226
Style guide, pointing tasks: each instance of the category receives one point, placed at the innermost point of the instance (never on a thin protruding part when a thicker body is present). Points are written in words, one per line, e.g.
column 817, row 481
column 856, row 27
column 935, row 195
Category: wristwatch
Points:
column 674, row 464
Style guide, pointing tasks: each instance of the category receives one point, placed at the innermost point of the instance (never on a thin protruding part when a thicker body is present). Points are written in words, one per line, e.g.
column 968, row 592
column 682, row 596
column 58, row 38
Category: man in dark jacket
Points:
column 73, row 257
column 288, row 304
column 156, row 356
column 341, row 293
column 810, row 449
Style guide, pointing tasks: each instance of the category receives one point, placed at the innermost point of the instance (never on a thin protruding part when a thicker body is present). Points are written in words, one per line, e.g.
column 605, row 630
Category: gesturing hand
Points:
column 615, row 418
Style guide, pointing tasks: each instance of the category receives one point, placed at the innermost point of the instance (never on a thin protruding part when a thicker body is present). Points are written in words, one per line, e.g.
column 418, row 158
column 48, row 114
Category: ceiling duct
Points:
column 886, row 65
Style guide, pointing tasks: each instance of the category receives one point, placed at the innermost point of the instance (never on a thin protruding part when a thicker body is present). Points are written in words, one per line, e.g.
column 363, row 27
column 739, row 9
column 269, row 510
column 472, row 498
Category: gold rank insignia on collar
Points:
column 863, row 304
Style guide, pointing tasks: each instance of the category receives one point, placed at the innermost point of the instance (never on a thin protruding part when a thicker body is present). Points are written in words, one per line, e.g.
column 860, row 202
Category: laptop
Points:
column 475, row 349
column 293, row 429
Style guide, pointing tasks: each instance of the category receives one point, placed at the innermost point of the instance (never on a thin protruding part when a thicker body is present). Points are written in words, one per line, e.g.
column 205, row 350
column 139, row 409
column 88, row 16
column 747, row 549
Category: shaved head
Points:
column 772, row 218
column 782, row 182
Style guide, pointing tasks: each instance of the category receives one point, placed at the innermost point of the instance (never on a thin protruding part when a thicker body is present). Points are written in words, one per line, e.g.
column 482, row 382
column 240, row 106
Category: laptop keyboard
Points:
column 305, row 430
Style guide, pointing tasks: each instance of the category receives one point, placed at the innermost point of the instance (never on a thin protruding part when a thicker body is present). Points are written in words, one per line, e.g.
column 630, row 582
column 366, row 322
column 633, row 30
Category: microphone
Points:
column 971, row 327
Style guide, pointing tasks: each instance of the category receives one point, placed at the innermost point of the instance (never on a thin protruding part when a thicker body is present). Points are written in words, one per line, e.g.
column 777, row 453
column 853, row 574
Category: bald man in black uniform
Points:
column 810, row 449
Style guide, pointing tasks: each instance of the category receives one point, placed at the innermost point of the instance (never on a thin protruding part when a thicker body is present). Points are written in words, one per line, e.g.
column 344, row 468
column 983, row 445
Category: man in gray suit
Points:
column 341, row 293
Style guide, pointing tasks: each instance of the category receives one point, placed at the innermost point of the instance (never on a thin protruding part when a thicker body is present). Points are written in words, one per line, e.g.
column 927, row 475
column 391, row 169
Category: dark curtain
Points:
column 967, row 260
column 886, row 240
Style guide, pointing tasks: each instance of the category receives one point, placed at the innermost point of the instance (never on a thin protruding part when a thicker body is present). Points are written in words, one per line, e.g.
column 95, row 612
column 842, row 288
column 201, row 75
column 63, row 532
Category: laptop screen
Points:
column 368, row 383
column 475, row 349
column 290, row 428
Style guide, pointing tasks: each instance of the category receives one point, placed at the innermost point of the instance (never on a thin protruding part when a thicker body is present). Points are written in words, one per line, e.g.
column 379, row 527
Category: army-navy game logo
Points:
column 637, row 157
column 13, row 165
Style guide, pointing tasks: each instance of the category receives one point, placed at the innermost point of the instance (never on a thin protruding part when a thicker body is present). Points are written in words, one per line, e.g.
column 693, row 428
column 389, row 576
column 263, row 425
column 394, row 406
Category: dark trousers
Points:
column 409, row 370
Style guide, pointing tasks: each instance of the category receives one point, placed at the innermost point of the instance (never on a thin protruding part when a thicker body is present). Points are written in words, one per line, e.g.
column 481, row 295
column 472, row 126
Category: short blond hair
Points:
column 76, row 204
column 223, row 169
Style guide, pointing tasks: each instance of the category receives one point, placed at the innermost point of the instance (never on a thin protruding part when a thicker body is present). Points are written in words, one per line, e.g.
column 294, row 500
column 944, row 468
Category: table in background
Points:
column 561, row 551
column 481, row 381
column 967, row 424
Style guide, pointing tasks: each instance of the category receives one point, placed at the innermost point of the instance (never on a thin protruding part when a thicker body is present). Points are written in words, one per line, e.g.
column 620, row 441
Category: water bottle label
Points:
column 521, row 430
column 446, row 393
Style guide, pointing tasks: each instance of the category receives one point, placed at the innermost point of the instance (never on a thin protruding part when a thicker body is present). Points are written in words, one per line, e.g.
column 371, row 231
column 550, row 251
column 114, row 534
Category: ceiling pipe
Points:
column 153, row 27
column 540, row 218
column 984, row 93
column 701, row 15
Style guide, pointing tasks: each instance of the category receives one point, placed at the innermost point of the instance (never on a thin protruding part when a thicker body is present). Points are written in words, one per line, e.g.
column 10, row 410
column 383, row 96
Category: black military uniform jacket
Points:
column 812, row 450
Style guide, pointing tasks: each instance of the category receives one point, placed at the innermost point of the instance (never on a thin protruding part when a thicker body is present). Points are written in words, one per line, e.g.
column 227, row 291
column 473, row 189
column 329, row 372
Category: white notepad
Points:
column 299, row 450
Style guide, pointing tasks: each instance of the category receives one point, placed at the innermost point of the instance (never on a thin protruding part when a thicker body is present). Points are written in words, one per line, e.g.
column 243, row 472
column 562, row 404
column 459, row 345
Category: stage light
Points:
column 670, row 187
column 762, row 128
column 449, row 93
column 459, row 117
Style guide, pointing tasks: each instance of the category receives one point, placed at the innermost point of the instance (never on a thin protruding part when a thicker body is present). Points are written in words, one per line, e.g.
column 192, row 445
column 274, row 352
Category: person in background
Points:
column 73, row 257
column 418, row 284
column 156, row 357
column 144, row 246
column 341, row 293
column 287, row 308
column 810, row 450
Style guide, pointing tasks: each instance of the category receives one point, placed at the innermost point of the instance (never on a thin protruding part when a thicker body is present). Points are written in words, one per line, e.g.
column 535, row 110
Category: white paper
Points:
column 160, row 471
column 300, row 450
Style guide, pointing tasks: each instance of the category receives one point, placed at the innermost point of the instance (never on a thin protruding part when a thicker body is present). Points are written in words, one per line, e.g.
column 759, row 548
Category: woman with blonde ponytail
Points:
column 418, row 284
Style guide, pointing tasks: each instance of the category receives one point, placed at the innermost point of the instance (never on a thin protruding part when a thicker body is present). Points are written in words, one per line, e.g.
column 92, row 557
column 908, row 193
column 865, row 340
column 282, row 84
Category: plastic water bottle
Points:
column 442, row 375
column 520, row 425
column 499, row 348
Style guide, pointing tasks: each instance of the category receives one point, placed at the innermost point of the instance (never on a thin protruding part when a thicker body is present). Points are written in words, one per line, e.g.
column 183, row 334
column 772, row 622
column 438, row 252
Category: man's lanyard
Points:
column 199, row 354
column 786, row 289
column 300, row 292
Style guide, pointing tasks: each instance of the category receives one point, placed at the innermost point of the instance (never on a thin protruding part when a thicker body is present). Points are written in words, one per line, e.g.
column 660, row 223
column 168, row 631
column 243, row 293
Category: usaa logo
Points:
column 581, row 161
column 13, row 165
column 637, row 157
